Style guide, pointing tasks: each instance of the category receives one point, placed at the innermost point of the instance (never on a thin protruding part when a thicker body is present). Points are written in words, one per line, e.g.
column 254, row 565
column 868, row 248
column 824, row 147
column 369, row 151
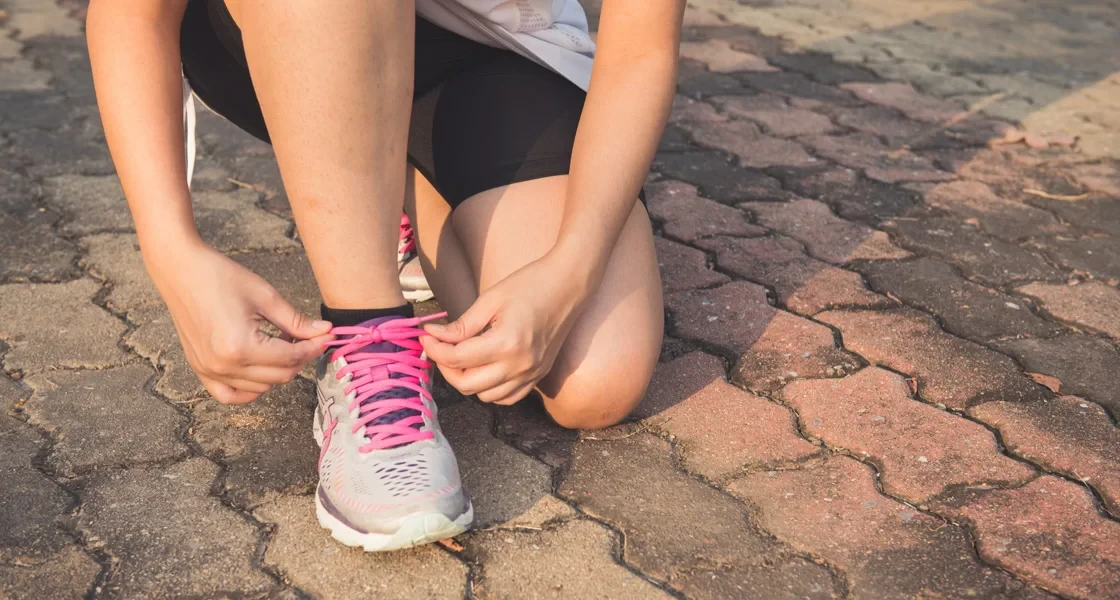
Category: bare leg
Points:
column 334, row 80
column 602, row 371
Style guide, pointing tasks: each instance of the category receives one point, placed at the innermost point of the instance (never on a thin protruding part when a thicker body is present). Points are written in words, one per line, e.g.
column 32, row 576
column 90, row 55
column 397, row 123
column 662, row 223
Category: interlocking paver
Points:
column 983, row 258
column 1001, row 217
column 305, row 555
column 773, row 346
column 687, row 217
column 31, row 502
column 825, row 235
column 540, row 565
column 157, row 341
column 103, row 418
column 905, row 98
column 1093, row 304
column 797, row 86
column 803, row 285
column 57, row 324
column 833, row 511
column 524, row 482
column 964, row 308
column 720, row 57
column 1047, row 531
column 232, row 221
column 895, row 129
column 853, row 197
column 1068, row 435
column 871, row 414
column 116, row 259
column 719, row 428
column 246, row 440
column 1097, row 212
column 32, row 251
column 878, row 160
column 632, row 484
column 1098, row 256
column 152, row 517
column 88, row 204
column 1085, row 365
column 69, row 574
column 776, row 115
column 753, row 148
column 949, row 370
column 718, row 179
column 695, row 80
column 684, row 268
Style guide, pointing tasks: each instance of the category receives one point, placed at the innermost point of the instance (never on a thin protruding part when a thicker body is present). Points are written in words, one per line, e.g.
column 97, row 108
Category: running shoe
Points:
column 388, row 478
column 413, row 283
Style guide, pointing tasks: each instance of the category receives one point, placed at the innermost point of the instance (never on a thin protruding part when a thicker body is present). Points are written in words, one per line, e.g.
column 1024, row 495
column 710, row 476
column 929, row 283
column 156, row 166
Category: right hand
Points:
column 217, row 306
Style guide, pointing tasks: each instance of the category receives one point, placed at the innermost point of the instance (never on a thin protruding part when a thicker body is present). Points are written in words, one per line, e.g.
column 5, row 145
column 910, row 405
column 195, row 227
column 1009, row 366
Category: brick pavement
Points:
column 891, row 368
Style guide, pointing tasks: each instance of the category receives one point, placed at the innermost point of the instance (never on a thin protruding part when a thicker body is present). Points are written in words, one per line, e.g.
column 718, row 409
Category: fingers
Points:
column 477, row 317
column 276, row 310
column 226, row 394
column 508, row 393
column 268, row 351
column 473, row 352
column 473, row 381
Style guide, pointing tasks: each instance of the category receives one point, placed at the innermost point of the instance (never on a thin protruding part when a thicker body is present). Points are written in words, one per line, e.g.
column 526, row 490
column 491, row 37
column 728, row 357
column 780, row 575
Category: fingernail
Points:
column 321, row 325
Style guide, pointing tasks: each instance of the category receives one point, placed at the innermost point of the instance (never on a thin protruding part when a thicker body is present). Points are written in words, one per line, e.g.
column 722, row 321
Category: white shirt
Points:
column 553, row 33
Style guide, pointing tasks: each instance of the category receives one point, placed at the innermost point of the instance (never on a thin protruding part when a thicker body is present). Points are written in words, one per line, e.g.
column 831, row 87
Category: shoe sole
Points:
column 418, row 295
column 415, row 530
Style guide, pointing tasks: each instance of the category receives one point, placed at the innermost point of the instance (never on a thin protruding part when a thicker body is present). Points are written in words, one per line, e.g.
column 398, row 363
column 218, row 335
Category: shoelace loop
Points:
column 407, row 236
column 372, row 373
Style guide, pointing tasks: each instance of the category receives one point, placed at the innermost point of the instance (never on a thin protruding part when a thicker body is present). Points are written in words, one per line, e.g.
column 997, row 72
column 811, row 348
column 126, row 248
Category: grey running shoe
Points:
column 387, row 477
column 413, row 282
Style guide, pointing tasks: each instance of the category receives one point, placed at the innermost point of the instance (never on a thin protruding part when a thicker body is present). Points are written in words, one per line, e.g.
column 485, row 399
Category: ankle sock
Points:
column 347, row 317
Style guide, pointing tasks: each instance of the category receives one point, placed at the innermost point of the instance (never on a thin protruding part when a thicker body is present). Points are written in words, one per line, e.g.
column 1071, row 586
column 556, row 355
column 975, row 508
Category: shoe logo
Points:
column 327, row 422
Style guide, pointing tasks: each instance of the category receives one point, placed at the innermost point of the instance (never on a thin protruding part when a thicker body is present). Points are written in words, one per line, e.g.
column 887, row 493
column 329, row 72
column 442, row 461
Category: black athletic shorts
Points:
column 482, row 117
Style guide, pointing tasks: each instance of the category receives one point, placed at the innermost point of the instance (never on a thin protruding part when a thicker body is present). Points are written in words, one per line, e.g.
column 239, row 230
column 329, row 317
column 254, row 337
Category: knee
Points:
column 595, row 402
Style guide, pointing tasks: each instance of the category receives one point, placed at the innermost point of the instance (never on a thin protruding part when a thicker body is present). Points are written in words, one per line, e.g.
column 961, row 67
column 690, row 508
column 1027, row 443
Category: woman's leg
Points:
column 605, row 365
column 334, row 82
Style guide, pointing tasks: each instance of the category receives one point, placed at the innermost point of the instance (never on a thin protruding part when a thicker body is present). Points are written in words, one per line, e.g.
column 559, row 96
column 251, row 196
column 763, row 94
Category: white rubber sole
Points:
column 415, row 530
column 418, row 295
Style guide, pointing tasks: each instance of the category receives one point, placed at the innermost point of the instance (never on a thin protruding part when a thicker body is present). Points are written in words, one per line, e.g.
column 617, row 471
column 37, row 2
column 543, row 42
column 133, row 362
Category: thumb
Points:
column 470, row 324
column 284, row 316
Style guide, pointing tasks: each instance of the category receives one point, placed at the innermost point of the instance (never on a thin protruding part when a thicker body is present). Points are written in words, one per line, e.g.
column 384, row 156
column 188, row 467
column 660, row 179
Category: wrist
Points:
column 169, row 245
column 579, row 265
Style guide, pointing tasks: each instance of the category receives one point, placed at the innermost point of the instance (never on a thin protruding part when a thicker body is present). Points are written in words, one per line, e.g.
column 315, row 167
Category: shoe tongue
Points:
column 383, row 346
column 387, row 347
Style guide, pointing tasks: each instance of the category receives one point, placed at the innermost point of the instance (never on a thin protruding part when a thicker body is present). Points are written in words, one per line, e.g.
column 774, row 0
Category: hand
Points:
column 529, row 315
column 218, row 306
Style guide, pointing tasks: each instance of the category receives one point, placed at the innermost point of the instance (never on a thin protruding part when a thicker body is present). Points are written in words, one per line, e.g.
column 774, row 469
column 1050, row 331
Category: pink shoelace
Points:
column 407, row 236
column 371, row 375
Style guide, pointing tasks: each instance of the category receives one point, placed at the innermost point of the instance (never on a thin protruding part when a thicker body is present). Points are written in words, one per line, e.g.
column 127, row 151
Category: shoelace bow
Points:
column 407, row 236
column 371, row 373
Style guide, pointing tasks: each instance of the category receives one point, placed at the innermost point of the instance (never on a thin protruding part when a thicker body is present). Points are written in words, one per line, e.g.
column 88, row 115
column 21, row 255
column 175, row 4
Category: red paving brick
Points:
column 1093, row 304
column 804, row 285
column 684, row 268
column 886, row 549
column 774, row 346
column 687, row 217
column 826, row 236
column 903, row 97
column 1004, row 218
column 949, row 371
column 750, row 145
column 718, row 427
column 1068, row 435
column 921, row 450
column 1049, row 532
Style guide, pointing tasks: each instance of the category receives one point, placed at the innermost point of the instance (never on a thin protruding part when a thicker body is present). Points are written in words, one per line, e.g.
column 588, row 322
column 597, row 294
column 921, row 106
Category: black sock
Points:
column 348, row 317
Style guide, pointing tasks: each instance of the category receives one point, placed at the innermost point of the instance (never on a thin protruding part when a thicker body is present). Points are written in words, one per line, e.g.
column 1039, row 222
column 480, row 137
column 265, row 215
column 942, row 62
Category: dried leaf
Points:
column 1042, row 194
column 451, row 545
column 893, row 297
column 1051, row 382
column 912, row 382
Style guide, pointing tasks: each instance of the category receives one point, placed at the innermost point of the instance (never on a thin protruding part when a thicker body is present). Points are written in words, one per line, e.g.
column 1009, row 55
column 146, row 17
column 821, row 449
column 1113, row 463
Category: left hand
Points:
column 529, row 315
